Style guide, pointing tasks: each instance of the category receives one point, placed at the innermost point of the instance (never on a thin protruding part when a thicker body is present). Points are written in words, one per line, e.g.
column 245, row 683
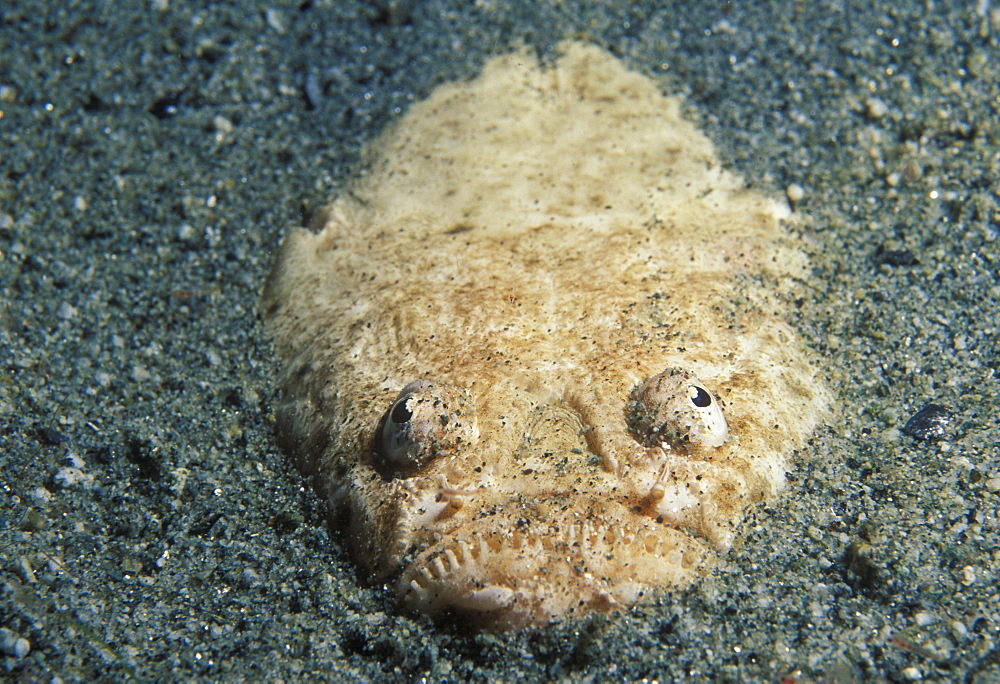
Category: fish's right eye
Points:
column 426, row 421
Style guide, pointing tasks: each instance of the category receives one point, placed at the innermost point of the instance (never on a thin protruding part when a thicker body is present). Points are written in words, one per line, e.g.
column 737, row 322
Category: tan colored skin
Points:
column 559, row 261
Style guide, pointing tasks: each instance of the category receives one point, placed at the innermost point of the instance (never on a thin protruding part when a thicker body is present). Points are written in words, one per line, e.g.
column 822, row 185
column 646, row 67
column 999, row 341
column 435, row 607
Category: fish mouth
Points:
column 504, row 572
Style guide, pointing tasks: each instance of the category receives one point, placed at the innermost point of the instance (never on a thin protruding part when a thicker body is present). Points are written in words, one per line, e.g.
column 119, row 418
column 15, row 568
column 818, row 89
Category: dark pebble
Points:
column 930, row 422
column 896, row 257
column 51, row 436
column 166, row 105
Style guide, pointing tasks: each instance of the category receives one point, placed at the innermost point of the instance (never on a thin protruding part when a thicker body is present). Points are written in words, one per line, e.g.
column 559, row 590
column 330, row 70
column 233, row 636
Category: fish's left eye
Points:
column 701, row 398
column 673, row 408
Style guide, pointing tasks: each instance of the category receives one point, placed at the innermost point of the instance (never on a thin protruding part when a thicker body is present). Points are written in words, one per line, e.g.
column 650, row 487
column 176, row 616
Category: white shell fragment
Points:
column 537, row 359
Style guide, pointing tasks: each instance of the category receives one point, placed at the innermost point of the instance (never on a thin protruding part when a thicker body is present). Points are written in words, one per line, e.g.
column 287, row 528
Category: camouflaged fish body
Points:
column 536, row 359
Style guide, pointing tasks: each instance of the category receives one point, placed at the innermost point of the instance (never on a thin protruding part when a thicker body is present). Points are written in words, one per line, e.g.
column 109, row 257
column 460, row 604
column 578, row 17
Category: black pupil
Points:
column 400, row 413
column 701, row 399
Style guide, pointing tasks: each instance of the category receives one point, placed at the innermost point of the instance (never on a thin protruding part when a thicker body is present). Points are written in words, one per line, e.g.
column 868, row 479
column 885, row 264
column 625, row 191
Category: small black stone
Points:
column 896, row 257
column 51, row 436
column 95, row 104
column 143, row 454
column 166, row 105
column 929, row 423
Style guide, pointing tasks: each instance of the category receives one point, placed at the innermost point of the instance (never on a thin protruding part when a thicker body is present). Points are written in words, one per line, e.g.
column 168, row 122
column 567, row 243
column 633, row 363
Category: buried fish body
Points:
column 536, row 361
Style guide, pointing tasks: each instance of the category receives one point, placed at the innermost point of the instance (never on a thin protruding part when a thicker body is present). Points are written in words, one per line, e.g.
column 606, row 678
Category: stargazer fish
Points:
column 537, row 360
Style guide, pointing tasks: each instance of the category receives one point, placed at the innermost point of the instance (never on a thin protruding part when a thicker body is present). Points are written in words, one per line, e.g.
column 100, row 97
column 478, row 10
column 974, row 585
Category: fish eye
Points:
column 674, row 409
column 427, row 420
column 400, row 413
column 701, row 398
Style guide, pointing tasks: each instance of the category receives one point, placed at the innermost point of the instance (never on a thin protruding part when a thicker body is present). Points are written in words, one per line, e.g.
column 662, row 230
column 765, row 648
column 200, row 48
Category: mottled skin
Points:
column 536, row 360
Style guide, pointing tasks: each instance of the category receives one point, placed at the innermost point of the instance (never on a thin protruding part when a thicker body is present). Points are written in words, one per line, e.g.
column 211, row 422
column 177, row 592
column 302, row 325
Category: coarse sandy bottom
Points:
column 152, row 157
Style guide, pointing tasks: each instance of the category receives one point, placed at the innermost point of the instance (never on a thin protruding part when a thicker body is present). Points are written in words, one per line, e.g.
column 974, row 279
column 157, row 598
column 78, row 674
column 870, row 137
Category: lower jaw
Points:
column 500, row 576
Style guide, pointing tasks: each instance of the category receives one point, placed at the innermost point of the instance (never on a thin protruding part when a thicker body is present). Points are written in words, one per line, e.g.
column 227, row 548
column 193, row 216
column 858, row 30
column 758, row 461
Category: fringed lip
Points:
column 501, row 573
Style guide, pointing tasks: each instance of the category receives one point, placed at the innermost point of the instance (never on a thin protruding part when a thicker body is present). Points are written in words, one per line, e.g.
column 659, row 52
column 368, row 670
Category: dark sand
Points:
column 154, row 153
